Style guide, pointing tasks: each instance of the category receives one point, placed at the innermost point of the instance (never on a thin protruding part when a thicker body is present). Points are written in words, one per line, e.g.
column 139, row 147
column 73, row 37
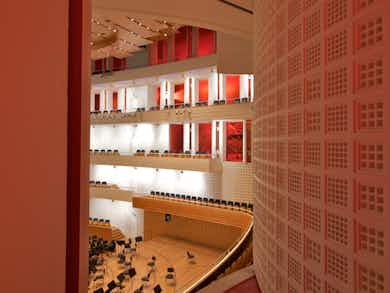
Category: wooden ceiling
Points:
column 119, row 35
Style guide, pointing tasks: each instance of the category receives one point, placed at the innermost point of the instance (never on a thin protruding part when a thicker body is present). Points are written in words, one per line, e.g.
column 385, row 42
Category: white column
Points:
column 213, row 138
column 244, row 86
column 222, row 139
column 151, row 99
column 162, row 94
column 194, row 137
column 109, row 99
column 252, row 87
column 213, row 87
column 171, row 93
column 222, row 86
column 92, row 101
column 121, row 99
column 128, row 99
column 187, row 90
column 244, row 147
column 102, row 100
column 186, row 137
column 195, row 90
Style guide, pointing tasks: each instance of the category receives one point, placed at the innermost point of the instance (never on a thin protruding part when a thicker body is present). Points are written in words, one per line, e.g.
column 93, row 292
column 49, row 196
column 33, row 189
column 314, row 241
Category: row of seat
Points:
column 205, row 200
column 176, row 106
column 105, row 151
column 102, row 184
column 99, row 222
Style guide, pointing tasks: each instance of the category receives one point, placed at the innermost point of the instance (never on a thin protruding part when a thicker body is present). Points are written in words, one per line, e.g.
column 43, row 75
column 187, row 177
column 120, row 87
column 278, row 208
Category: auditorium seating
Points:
column 108, row 152
column 203, row 200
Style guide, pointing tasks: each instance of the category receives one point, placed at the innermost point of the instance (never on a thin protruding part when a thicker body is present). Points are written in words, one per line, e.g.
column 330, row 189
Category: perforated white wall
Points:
column 121, row 214
column 237, row 181
column 127, row 138
column 143, row 180
column 321, row 151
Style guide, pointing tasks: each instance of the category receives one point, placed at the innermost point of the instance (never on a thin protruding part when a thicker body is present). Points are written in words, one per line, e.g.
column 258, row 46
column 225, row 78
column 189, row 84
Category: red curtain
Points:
column 205, row 137
column 162, row 51
column 206, row 42
column 179, row 93
column 203, row 90
column 176, row 138
column 183, row 43
column 115, row 100
column 234, row 141
column 153, row 54
column 158, row 96
column 118, row 64
column 232, row 87
column 97, row 102
column 98, row 65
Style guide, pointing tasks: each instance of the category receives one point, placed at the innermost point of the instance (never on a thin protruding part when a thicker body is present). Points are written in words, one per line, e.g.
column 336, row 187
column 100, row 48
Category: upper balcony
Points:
column 241, row 109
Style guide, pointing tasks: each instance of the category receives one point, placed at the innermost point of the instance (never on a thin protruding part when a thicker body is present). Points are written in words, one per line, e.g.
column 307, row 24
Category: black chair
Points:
column 152, row 192
column 244, row 205
column 138, row 239
column 250, row 206
column 211, row 200
column 100, row 290
column 112, row 285
column 188, row 197
column 218, row 201
column 236, row 204
column 224, row 202
column 230, row 203
column 157, row 289
column 193, row 198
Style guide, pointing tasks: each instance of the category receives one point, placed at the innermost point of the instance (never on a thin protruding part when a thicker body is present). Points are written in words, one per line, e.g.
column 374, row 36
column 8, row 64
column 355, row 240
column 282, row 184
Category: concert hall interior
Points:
column 195, row 146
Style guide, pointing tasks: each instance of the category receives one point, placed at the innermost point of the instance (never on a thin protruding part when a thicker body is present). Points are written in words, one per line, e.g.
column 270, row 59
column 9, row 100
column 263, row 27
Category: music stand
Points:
column 132, row 273
column 111, row 285
column 157, row 289
column 100, row 290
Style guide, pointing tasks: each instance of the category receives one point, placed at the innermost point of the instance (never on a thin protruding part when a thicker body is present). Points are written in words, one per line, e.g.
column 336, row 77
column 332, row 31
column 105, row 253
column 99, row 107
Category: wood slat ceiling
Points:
column 118, row 35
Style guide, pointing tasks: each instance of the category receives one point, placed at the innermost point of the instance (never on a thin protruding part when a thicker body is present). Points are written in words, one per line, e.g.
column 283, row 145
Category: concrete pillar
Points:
column 252, row 95
column 214, row 138
column 109, row 93
column 194, row 137
column 213, row 87
column 102, row 100
column 186, row 137
column 162, row 94
column 121, row 99
column 222, row 140
column 187, row 90
column 244, row 86
column 222, row 86
column 244, row 142
column 195, row 90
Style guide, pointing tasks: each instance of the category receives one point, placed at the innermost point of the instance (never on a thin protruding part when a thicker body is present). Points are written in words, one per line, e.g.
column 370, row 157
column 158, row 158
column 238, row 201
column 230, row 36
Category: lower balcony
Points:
column 200, row 163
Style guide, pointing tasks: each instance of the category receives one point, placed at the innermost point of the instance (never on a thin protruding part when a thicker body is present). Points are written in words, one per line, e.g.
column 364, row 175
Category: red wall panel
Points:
column 115, row 100
column 203, row 90
column 206, row 42
column 205, row 137
column 97, row 102
column 179, row 94
column 232, row 87
column 183, row 43
column 234, row 141
column 176, row 138
column 158, row 95
column 162, row 51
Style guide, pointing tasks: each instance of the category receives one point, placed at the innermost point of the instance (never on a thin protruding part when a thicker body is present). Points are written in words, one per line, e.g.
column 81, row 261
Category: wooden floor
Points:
column 169, row 253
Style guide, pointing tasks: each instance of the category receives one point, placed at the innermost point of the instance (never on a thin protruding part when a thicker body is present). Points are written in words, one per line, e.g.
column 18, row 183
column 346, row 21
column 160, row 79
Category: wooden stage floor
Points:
column 169, row 253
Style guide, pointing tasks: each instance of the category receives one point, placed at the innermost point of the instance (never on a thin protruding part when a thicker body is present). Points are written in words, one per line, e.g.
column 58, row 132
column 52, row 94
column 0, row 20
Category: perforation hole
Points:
column 294, row 269
column 337, row 265
column 336, row 118
column 370, row 75
column 371, row 198
column 282, row 152
column 331, row 289
column 291, row 289
column 281, row 178
column 295, row 123
column 313, row 122
column 294, row 9
column 370, row 280
column 371, row 157
column 282, row 125
column 295, row 94
column 371, row 115
column 282, row 72
column 337, row 10
column 281, row 98
column 312, row 250
column 295, row 240
column 337, row 83
column 294, row 152
column 294, row 65
column 337, row 46
column 312, row 57
column 371, row 240
column 337, row 228
column 312, row 219
column 312, row 186
column 294, row 211
column 313, row 90
column 312, row 154
column 294, row 182
column 294, row 36
column 337, row 155
column 312, row 25
column 370, row 33
column 337, row 191
column 308, row 3
column 281, row 47
column 312, row 282
column 362, row 4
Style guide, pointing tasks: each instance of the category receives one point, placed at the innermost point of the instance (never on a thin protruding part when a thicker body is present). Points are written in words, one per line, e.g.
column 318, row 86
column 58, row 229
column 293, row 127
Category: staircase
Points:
column 117, row 234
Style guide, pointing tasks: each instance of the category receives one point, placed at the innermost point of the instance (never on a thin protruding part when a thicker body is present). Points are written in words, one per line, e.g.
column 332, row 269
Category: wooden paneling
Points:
column 188, row 229
column 110, row 193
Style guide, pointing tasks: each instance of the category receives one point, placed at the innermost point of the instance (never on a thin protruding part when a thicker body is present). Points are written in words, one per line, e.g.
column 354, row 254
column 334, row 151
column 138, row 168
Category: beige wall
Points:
column 33, row 125
column 204, row 233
